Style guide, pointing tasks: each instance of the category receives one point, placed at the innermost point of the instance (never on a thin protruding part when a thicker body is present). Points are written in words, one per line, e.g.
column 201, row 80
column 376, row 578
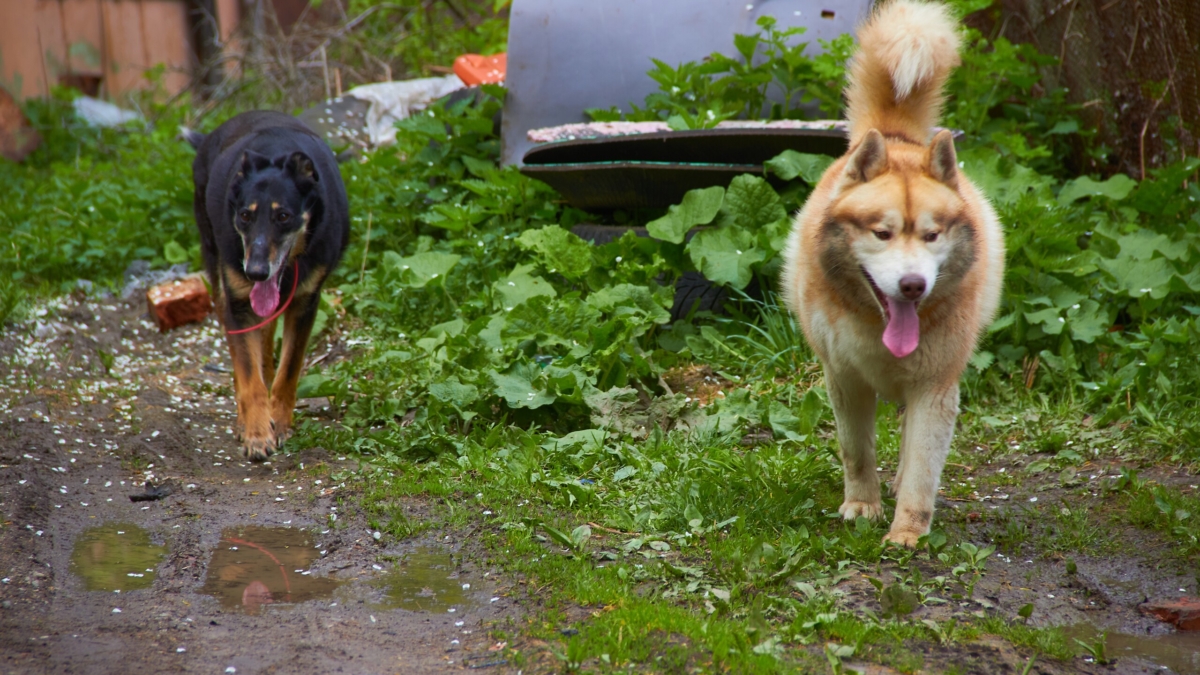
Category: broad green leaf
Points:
column 698, row 207
column 751, row 202
column 562, row 251
column 316, row 384
column 1116, row 188
column 559, row 537
column 726, row 255
column 517, row 386
column 982, row 360
column 1004, row 181
column 784, row 423
column 454, row 392
column 568, row 383
column 1088, row 321
column 617, row 409
column 584, row 438
column 1141, row 277
column 791, row 164
column 629, row 299
column 520, row 286
column 746, row 45
column 479, row 167
column 174, row 253
column 624, row 472
column 813, row 407
column 1070, row 126
column 1048, row 319
column 418, row 270
column 580, row 535
column 1143, row 244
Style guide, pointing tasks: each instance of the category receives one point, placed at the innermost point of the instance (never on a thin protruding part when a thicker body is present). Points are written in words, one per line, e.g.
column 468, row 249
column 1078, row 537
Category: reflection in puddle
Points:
column 116, row 557
column 257, row 566
column 1178, row 651
column 425, row 581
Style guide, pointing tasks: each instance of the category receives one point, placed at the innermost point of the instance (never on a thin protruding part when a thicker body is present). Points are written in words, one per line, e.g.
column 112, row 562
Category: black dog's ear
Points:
column 300, row 167
column 252, row 162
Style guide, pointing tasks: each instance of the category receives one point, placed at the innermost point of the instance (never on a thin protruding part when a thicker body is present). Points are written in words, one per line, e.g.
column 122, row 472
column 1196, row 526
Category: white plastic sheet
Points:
column 99, row 113
column 394, row 101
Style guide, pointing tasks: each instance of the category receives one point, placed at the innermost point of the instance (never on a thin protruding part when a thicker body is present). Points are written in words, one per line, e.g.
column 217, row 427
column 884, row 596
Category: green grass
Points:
column 1170, row 511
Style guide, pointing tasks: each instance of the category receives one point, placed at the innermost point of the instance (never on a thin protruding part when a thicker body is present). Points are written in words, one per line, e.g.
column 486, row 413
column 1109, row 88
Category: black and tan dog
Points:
column 274, row 222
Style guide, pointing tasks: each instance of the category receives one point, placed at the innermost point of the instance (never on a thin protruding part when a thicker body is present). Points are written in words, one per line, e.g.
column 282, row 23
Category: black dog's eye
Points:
column 244, row 215
column 883, row 235
column 282, row 216
column 931, row 237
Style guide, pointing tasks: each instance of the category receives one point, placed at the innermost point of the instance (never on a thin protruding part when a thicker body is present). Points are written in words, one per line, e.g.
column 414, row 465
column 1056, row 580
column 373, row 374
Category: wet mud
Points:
column 241, row 569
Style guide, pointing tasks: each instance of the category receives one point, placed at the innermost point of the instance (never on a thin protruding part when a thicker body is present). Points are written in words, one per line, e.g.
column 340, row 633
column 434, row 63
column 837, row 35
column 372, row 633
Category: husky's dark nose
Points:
column 912, row 286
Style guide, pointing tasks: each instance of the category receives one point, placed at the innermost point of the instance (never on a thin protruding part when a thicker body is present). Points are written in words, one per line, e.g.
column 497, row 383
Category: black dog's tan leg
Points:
column 268, row 352
column 240, row 426
column 297, row 327
column 254, row 417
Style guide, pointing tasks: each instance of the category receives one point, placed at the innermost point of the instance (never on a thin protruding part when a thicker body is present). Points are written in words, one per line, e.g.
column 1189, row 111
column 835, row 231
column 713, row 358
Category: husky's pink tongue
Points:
column 903, row 330
column 264, row 297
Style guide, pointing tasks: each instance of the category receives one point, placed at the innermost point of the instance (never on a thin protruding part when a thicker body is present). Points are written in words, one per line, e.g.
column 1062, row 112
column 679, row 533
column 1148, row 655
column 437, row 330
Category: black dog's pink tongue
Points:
column 903, row 331
column 264, row 297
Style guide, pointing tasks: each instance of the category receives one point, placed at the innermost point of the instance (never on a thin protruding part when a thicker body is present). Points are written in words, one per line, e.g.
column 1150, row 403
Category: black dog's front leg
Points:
column 297, row 328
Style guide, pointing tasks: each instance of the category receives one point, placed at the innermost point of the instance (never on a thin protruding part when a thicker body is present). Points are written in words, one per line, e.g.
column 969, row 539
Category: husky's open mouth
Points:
column 902, row 333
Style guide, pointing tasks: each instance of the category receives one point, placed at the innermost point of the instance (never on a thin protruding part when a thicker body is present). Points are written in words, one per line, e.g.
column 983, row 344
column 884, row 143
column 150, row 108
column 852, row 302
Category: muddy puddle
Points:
column 1178, row 651
column 115, row 557
column 425, row 581
column 253, row 567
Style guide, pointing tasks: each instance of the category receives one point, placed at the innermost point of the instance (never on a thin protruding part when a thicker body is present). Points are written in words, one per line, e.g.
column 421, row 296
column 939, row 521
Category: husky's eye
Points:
column 930, row 237
column 883, row 235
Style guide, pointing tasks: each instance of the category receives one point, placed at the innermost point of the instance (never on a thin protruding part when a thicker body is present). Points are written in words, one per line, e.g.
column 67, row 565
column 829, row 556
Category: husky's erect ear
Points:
column 869, row 159
column 300, row 167
column 943, row 161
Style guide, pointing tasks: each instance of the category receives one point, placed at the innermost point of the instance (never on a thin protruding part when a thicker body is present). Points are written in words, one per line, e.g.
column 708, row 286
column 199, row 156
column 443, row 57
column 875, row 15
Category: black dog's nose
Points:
column 912, row 286
column 261, row 270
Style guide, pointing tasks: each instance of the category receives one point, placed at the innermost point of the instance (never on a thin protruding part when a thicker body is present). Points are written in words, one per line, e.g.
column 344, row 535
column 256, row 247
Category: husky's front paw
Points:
column 258, row 447
column 905, row 538
column 851, row 509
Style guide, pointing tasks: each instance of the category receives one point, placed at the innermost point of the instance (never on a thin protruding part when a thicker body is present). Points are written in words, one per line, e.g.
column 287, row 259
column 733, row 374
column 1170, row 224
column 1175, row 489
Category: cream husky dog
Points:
column 894, row 265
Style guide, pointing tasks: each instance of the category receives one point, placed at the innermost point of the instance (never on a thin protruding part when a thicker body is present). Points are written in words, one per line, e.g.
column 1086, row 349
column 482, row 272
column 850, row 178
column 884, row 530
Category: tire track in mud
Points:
column 93, row 402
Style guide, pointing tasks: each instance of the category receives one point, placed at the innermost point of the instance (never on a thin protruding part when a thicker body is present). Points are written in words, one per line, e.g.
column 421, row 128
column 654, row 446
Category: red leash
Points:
column 295, row 282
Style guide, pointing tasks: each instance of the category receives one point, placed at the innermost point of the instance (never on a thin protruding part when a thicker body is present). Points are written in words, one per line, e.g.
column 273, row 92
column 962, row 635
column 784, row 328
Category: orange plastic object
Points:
column 474, row 69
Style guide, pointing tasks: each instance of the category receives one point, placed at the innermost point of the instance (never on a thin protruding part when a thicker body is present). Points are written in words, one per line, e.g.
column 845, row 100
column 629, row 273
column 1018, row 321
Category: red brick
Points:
column 1184, row 613
column 176, row 303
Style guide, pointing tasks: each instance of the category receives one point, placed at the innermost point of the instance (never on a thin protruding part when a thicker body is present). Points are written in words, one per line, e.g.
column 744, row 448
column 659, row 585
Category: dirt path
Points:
column 243, row 569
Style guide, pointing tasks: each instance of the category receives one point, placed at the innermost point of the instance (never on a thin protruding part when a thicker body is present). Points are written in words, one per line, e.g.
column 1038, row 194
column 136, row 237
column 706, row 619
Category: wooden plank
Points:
column 165, row 41
column 229, row 13
column 48, row 38
column 123, row 38
column 82, row 35
column 20, row 60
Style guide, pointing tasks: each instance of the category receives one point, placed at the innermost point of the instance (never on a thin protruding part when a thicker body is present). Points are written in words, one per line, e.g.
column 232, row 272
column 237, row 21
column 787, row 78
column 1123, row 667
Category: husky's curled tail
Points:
column 906, row 52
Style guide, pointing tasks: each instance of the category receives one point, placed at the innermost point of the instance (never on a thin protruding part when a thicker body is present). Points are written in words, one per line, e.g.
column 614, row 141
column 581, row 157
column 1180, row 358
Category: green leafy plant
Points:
column 771, row 78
